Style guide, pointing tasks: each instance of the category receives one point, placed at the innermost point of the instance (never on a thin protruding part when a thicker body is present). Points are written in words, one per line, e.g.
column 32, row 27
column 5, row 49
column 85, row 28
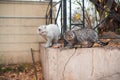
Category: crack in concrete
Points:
column 67, row 63
column 92, row 71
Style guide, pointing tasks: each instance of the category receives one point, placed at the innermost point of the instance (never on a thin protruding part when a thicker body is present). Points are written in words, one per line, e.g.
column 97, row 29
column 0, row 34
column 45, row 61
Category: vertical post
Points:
column 61, row 17
column 64, row 15
column 70, row 15
column 51, row 8
column 83, row 13
column 64, row 18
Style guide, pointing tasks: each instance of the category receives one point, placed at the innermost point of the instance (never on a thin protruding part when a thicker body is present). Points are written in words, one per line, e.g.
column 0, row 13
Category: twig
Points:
column 35, row 70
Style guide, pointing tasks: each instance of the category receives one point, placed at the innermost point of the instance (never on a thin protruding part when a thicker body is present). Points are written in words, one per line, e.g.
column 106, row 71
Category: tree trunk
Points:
column 112, row 22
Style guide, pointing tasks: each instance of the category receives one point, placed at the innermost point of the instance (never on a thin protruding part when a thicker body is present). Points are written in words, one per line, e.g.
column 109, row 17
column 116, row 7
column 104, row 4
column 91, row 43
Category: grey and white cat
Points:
column 85, row 37
column 51, row 32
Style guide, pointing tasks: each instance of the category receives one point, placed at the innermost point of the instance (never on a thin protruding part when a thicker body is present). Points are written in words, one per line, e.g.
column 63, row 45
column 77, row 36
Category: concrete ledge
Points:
column 80, row 64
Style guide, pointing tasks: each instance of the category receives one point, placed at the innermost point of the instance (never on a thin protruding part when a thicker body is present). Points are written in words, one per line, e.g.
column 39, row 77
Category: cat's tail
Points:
column 102, row 43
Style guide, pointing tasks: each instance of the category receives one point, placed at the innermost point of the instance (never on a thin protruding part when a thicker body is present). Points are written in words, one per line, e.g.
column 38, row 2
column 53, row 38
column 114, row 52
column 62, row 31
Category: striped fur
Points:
column 86, row 37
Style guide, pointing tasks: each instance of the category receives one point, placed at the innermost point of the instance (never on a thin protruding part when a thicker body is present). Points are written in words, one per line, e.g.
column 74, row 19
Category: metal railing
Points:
column 63, row 9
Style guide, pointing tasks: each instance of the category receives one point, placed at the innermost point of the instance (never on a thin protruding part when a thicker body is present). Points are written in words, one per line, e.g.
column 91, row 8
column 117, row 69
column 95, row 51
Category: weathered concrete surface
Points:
column 81, row 64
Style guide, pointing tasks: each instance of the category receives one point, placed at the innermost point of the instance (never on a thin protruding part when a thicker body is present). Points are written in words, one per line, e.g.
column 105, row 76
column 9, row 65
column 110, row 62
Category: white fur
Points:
column 51, row 32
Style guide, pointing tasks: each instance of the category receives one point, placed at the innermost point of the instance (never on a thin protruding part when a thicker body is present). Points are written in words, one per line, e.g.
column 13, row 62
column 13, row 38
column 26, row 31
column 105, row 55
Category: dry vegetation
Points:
column 20, row 72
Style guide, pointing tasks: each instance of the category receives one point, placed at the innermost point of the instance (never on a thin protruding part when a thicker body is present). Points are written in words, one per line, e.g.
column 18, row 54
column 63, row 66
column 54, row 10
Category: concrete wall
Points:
column 81, row 64
column 18, row 25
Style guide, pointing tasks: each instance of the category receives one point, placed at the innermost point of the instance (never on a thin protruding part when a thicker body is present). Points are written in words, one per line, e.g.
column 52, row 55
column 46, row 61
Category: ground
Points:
column 20, row 72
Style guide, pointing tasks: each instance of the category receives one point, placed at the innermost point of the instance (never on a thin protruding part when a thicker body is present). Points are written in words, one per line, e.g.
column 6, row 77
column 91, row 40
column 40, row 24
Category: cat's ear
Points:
column 45, row 26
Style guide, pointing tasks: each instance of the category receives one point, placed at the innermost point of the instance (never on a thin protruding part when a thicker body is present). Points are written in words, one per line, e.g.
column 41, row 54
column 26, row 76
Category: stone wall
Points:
column 81, row 64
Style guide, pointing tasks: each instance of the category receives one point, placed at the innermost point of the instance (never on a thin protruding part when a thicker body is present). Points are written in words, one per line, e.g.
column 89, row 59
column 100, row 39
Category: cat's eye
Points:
column 39, row 29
